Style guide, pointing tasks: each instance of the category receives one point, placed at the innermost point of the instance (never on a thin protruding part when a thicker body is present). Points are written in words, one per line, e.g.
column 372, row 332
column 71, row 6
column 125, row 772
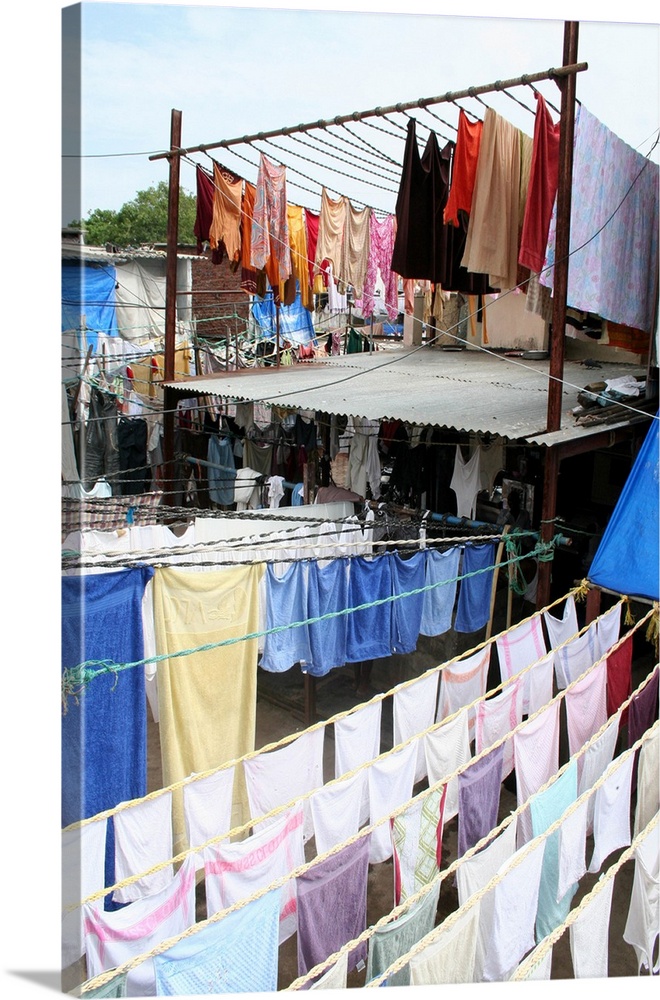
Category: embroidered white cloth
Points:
column 336, row 811
column 561, row 629
column 514, row 912
column 357, row 741
column 608, row 628
column 475, row 873
column 446, row 750
column 612, row 812
column 495, row 718
column 417, row 839
column 572, row 849
column 207, row 809
column 586, row 707
column 83, row 874
column 414, row 711
column 237, row 871
column 284, row 775
column 391, row 783
column 463, row 683
column 594, row 761
column 335, row 977
column 518, row 648
column 589, row 933
column 450, row 957
column 541, row 681
column 648, row 787
column 642, row 925
column 576, row 656
column 143, row 838
column 536, row 969
column 536, row 750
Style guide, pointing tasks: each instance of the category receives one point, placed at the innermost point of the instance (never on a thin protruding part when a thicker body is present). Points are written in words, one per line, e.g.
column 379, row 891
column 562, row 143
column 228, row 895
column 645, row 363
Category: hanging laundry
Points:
column 542, row 188
column 352, row 266
column 473, row 607
column 643, row 709
column 414, row 712
column 389, row 942
column 207, row 809
column 286, row 603
column 83, row 870
column 336, row 811
column 492, row 239
column 357, row 741
column 479, row 788
column 334, row 978
column 207, row 709
column 608, row 627
column 238, row 954
column 417, row 839
column 225, row 228
column 463, row 683
column 575, row 657
column 312, row 221
column 612, row 812
column 222, row 470
column 408, row 574
column 466, row 483
column 368, row 632
column 572, row 850
column 143, row 840
column 541, row 681
column 363, row 459
column 464, row 168
column 382, row 233
column 546, row 807
column 518, row 648
column 331, row 232
column 270, row 231
column 248, row 273
column 441, row 574
column 283, row 775
column 535, row 968
column 589, row 934
column 495, row 718
column 594, row 762
column 450, row 957
column 536, row 749
column 586, row 707
column 336, row 886
column 327, row 592
column 391, row 783
column 236, row 871
column 619, row 678
column 115, row 987
column 641, row 930
column 204, row 206
column 648, row 790
column 446, row 749
column 299, row 255
column 560, row 630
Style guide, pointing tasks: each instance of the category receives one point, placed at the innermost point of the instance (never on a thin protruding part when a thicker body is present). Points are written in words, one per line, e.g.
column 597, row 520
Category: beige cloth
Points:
column 331, row 231
column 450, row 957
column 491, row 246
column 207, row 699
column 648, row 788
column 355, row 249
column 226, row 222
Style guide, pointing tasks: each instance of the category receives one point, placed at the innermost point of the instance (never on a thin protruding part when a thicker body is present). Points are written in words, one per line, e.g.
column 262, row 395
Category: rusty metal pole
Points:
column 169, row 399
column 560, row 285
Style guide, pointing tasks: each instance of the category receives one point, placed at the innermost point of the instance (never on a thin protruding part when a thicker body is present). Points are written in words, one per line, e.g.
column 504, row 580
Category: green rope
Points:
column 75, row 679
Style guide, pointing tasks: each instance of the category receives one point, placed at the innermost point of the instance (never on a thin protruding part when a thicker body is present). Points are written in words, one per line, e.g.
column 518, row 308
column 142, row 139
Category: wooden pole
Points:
column 493, row 589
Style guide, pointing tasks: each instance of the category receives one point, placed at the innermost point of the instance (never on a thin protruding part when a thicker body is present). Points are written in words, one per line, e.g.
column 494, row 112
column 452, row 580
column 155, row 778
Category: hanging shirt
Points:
column 225, row 228
column 382, row 233
column 464, row 168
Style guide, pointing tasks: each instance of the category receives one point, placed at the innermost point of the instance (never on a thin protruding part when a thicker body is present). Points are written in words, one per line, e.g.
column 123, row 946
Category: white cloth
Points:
column 284, row 775
column 463, row 683
column 466, row 482
column 536, row 750
column 450, row 957
column 586, row 707
column 275, row 490
column 561, row 629
column 572, row 849
column 541, row 683
column 576, row 656
column 518, row 648
column 589, row 935
column 236, row 871
column 514, row 912
column 336, row 811
column 593, row 763
column 643, row 923
column 648, row 787
column 83, row 874
column 115, row 936
column 391, row 783
column 363, row 459
column 498, row 716
column 335, row 977
column 536, row 972
column 247, row 489
column 143, row 838
column 357, row 741
column 446, row 750
column 608, row 627
column 150, row 650
column 207, row 809
column 475, row 873
column 414, row 712
column 612, row 811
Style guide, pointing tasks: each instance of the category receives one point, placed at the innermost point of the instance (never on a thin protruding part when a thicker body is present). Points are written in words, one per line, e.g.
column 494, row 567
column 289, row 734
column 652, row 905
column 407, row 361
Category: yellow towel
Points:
column 206, row 700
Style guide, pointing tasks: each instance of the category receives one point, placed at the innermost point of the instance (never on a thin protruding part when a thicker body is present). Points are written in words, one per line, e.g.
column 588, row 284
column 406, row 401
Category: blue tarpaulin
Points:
column 88, row 299
column 626, row 560
column 295, row 321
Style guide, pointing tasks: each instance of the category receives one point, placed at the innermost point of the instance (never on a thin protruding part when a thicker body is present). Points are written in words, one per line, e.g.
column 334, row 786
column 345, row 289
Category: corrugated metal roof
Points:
column 467, row 390
column 99, row 255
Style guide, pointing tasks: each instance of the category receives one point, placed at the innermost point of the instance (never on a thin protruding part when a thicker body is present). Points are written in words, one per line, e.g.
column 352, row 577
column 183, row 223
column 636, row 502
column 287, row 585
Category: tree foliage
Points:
column 142, row 220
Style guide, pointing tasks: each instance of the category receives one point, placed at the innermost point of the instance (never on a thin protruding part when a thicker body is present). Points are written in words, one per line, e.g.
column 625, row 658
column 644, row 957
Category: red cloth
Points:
column 312, row 225
column 543, row 179
column 466, row 154
column 204, row 217
column 619, row 679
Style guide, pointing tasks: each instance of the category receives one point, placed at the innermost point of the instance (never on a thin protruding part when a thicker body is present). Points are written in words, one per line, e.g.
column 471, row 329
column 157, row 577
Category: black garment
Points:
column 456, row 278
column 135, row 473
column 100, row 453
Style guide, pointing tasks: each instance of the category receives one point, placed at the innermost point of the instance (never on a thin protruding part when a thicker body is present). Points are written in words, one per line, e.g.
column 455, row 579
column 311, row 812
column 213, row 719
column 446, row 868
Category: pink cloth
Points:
column 586, row 707
column 270, row 227
column 463, row 683
column 381, row 246
column 498, row 716
column 518, row 648
column 536, row 750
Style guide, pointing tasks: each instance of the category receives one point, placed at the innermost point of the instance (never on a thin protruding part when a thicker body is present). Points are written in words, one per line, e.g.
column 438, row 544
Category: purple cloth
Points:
column 332, row 906
column 479, row 789
column 643, row 710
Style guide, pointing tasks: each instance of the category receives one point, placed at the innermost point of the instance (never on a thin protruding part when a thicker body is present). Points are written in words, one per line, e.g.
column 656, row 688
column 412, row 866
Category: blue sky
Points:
column 234, row 70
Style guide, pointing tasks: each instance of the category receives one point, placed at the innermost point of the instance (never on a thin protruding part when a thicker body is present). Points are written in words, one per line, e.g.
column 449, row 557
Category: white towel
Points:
column 498, row 716
column 446, row 749
column 143, row 838
column 586, row 707
column 593, row 763
column 608, row 628
column 576, row 656
column 518, row 648
column 564, row 628
column 589, row 934
column 642, row 925
column 514, row 912
column 449, row 958
column 461, row 684
column 207, row 809
column 336, row 811
column 612, row 812
column 357, row 741
column 83, row 874
column 536, row 750
column 648, row 787
column 475, row 873
column 541, row 681
column 335, row 977
column 572, row 849
column 391, row 783
column 414, row 712
column 284, row 775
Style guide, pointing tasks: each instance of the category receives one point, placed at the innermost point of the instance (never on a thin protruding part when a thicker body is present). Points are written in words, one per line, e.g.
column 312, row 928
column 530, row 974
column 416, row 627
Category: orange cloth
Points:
column 226, row 223
column 248, row 273
column 299, row 259
column 466, row 154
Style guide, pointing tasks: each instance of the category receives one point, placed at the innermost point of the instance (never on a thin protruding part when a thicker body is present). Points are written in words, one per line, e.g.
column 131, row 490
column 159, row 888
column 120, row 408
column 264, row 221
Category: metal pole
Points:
column 170, row 301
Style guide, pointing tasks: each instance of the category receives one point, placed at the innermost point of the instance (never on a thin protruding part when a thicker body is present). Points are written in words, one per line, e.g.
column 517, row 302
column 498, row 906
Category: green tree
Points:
column 142, row 220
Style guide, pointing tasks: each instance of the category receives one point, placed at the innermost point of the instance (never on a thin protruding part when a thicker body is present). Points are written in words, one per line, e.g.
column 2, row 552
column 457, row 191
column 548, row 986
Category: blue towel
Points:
column 327, row 591
column 286, row 603
column 238, row 954
column 408, row 573
column 473, row 609
column 369, row 630
column 221, row 481
column 546, row 807
column 441, row 569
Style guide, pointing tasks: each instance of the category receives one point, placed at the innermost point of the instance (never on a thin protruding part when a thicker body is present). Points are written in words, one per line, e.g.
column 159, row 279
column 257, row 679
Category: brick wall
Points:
column 220, row 306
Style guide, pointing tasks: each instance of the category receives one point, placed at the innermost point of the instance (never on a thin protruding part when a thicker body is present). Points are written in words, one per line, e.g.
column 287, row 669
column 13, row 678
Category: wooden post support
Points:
column 493, row 589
